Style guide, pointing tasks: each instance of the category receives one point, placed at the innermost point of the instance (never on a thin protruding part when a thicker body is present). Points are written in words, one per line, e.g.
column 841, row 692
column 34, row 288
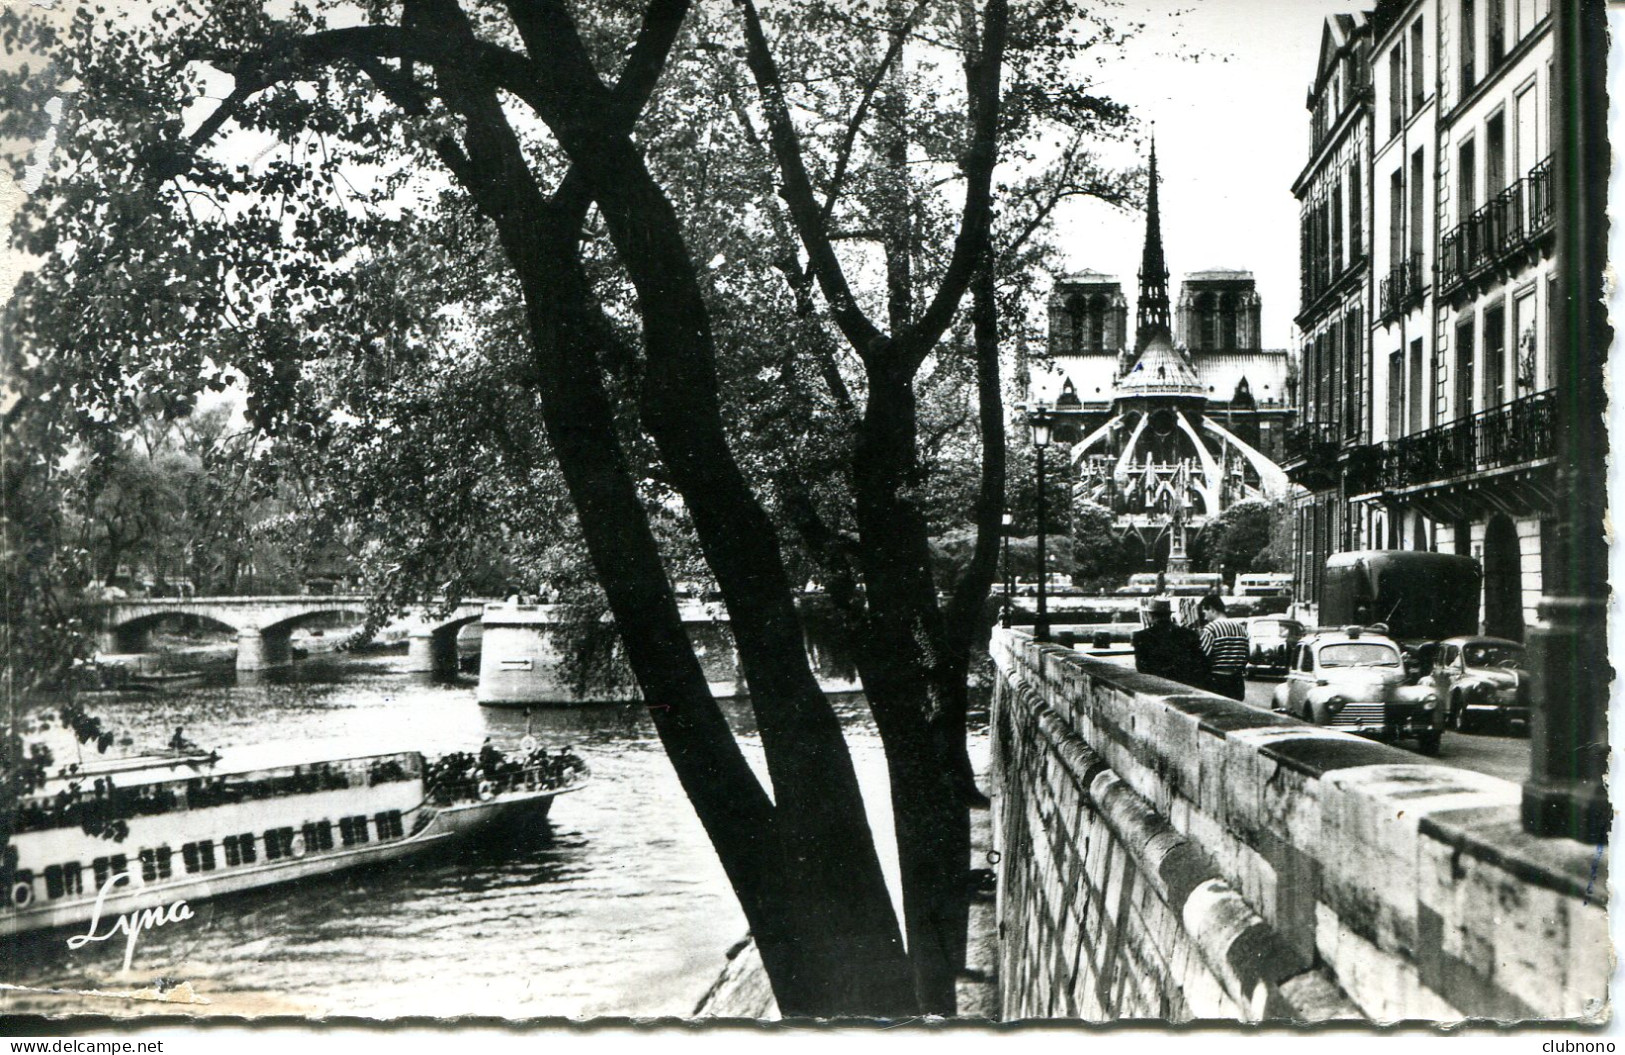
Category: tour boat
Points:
column 198, row 827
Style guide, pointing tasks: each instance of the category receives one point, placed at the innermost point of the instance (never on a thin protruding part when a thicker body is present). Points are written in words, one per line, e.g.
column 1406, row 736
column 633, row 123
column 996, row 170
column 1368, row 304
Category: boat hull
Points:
column 430, row 827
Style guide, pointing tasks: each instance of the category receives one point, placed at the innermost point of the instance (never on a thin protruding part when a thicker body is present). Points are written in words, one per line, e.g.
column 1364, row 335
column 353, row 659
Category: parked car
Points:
column 1355, row 679
column 1270, row 641
column 1479, row 678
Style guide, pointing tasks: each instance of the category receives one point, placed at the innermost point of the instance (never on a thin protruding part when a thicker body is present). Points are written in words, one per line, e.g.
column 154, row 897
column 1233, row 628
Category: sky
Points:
column 1225, row 82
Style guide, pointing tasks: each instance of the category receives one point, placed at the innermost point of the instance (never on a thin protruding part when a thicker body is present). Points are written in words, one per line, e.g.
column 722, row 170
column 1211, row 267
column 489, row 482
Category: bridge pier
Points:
column 432, row 651
column 257, row 649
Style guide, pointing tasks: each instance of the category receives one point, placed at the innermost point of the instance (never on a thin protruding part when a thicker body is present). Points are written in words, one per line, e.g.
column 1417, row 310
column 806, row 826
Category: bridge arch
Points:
column 134, row 634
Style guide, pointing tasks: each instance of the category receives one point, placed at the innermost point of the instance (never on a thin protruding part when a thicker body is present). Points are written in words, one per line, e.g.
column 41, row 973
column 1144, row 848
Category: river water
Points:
column 617, row 907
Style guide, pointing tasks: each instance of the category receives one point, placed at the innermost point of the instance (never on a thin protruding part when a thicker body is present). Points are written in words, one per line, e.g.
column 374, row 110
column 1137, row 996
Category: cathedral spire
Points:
column 1153, row 310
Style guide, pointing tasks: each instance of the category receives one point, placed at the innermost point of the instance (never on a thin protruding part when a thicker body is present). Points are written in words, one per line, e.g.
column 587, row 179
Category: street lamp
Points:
column 1009, row 588
column 1041, row 421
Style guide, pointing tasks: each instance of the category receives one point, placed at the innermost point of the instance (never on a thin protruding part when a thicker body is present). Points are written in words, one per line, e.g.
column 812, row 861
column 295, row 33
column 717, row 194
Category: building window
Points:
column 1418, row 84
column 1352, row 381
column 1416, row 388
column 1495, row 155
column 1207, row 322
column 1495, row 31
column 1418, row 203
column 1396, row 392
column 1396, row 90
column 1396, row 218
column 1464, row 370
column 1356, row 228
column 1468, row 46
column 1076, row 320
column 1545, row 360
column 1495, row 366
column 1334, row 387
column 1467, row 180
column 1529, row 152
column 1228, row 313
column 1337, row 228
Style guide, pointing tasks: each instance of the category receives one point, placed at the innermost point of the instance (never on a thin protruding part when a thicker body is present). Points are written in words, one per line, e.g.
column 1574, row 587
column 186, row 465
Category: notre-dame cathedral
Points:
column 1169, row 429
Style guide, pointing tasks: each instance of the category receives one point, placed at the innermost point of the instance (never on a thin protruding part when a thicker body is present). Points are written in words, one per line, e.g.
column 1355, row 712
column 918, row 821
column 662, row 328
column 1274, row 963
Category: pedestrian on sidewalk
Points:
column 1225, row 643
column 1167, row 649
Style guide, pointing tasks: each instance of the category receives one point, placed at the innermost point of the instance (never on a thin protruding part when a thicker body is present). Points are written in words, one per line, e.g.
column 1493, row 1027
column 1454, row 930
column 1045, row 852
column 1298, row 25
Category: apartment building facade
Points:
column 1333, row 322
column 1456, row 455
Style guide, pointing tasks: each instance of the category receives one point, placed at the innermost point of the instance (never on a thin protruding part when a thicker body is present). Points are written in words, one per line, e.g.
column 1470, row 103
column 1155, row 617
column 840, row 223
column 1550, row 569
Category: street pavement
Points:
column 1499, row 755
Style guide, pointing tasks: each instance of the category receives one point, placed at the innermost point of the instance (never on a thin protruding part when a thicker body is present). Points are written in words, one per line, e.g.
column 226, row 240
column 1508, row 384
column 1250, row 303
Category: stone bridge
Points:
column 263, row 624
column 1167, row 854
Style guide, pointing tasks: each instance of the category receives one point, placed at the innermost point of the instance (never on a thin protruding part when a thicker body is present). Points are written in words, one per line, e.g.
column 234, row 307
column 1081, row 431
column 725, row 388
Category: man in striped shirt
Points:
column 1224, row 642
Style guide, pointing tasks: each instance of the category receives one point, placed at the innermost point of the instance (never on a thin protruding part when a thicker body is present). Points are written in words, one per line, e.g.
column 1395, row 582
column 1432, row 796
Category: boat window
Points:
column 199, row 856
column 318, row 835
column 278, row 843
column 155, row 863
column 388, row 824
column 109, row 866
column 353, row 830
column 239, row 849
column 22, row 887
column 64, row 880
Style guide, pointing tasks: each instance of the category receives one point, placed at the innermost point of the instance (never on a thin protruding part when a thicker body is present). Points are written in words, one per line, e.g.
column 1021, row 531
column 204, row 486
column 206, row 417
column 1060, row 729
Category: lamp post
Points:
column 1041, row 421
column 1009, row 588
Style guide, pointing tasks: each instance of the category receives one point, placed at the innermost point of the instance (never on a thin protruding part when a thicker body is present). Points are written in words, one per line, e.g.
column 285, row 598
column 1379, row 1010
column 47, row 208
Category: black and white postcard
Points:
column 849, row 511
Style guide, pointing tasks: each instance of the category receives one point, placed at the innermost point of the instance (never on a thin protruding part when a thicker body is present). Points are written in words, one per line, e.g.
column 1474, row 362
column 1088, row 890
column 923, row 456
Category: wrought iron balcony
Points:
column 1538, row 199
column 1403, row 286
column 1507, row 223
column 1363, row 469
column 1508, row 435
column 1311, row 454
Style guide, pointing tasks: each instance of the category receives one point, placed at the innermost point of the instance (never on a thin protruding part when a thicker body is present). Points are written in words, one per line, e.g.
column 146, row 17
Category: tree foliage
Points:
column 1235, row 539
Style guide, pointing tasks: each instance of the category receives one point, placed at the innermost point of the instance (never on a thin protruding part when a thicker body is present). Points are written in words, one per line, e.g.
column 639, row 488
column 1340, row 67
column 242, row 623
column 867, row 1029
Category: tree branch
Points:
column 796, row 190
column 843, row 156
column 982, row 70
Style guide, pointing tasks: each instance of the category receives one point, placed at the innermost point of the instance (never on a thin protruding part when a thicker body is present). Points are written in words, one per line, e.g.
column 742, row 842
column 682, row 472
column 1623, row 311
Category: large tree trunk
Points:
column 904, row 642
column 966, row 606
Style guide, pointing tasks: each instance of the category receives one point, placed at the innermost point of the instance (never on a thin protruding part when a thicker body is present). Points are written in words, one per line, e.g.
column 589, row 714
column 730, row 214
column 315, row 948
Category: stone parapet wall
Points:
column 1165, row 853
